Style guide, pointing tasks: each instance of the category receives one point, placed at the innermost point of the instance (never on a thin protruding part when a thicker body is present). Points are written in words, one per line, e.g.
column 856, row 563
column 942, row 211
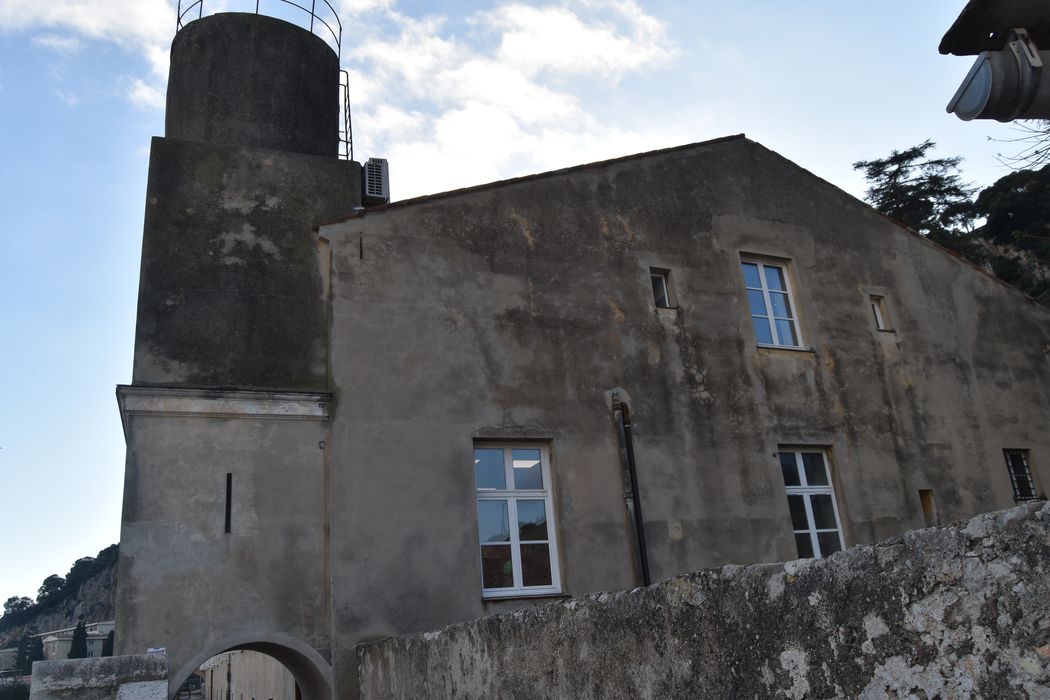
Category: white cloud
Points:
column 516, row 87
column 70, row 99
column 144, row 95
column 56, row 42
column 451, row 110
column 556, row 38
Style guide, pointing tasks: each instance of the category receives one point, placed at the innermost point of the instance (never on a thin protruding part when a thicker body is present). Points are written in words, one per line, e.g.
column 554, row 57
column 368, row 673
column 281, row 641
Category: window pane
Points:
column 528, row 474
column 660, row 291
column 757, row 302
column 493, row 522
column 751, row 278
column 790, row 469
column 497, row 571
column 535, row 565
column 816, row 474
column 488, row 468
column 786, row 333
column 775, row 278
column 762, row 332
column 798, row 513
column 532, row 520
column 780, row 304
column 828, row 543
column 823, row 511
column 804, row 545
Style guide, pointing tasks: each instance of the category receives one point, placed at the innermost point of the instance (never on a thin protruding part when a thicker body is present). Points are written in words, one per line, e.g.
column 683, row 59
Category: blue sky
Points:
column 453, row 94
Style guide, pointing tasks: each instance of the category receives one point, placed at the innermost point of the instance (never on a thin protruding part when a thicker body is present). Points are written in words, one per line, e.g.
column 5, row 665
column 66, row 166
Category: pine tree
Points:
column 925, row 194
column 78, row 648
column 22, row 663
column 36, row 651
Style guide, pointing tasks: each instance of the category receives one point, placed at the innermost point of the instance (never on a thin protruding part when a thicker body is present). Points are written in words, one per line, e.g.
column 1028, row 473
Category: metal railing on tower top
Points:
column 319, row 24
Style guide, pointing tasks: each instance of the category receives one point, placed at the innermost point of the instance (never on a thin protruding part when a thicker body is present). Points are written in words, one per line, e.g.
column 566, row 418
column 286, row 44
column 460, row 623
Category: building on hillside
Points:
column 57, row 643
column 8, row 657
column 347, row 423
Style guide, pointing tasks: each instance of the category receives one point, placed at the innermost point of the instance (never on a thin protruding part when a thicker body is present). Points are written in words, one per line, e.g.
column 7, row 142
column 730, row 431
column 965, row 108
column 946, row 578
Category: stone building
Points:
column 350, row 423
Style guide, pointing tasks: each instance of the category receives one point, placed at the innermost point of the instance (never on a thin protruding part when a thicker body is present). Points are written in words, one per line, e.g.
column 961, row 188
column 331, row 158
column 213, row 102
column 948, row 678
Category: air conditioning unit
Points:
column 376, row 182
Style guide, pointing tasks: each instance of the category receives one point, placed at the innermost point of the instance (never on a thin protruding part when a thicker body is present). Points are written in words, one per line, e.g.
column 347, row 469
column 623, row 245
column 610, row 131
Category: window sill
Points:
column 520, row 595
column 789, row 348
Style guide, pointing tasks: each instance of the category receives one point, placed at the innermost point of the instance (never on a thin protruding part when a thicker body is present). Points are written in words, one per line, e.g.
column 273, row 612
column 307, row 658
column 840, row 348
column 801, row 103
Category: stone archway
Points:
column 313, row 675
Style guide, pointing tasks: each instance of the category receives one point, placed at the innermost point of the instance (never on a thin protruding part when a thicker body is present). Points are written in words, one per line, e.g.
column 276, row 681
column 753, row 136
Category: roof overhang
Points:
column 984, row 25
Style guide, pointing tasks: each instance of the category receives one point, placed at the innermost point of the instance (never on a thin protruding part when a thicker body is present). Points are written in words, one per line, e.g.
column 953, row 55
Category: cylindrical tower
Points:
column 242, row 79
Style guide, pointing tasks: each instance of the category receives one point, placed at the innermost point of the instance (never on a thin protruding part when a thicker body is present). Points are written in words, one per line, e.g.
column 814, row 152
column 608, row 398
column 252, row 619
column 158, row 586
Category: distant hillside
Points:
column 88, row 593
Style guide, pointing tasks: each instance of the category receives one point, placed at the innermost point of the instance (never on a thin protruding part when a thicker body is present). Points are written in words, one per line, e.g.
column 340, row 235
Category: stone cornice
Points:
column 218, row 403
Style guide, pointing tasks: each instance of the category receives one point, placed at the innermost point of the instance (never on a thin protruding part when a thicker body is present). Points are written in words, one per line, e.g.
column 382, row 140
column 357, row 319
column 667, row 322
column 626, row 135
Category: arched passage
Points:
column 312, row 673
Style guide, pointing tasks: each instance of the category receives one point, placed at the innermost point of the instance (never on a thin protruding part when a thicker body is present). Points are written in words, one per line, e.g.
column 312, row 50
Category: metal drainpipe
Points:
column 622, row 414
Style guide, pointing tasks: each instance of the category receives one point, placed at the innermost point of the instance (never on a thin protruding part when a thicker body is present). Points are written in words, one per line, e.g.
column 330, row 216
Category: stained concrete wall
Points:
column 139, row 677
column 952, row 612
column 231, row 292
column 510, row 311
column 240, row 79
column 186, row 584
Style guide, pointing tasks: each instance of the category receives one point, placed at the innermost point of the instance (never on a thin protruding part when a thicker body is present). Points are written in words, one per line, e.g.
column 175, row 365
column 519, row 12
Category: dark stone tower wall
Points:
column 250, row 80
column 232, row 287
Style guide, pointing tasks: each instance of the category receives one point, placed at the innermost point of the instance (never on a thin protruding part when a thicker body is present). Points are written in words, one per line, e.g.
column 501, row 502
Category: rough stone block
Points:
column 140, row 677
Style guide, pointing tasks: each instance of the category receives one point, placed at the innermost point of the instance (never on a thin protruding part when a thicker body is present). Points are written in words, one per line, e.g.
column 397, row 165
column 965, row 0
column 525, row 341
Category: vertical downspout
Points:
column 631, row 498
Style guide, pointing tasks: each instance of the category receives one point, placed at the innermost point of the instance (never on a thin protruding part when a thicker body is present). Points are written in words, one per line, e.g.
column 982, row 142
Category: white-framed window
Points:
column 661, row 288
column 519, row 553
column 811, row 500
column 772, row 309
column 1020, row 475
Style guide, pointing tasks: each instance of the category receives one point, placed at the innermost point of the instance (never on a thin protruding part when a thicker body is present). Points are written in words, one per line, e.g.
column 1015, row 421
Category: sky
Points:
column 452, row 94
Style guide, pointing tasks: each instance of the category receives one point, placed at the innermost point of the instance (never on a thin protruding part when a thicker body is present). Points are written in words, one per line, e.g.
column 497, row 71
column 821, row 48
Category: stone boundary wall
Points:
column 955, row 612
column 140, row 677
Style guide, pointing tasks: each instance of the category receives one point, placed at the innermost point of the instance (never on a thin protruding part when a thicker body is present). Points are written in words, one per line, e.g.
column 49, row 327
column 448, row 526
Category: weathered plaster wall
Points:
column 511, row 310
column 962, row 611
column 232, row 290
column 186, row 584
column 140, row 677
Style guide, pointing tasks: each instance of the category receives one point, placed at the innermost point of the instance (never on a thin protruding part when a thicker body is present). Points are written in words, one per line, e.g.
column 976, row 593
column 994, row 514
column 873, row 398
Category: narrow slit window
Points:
column 1020, row 475
column 661, row 288
column 229, row 500
column 929, row 510
column 878, row 310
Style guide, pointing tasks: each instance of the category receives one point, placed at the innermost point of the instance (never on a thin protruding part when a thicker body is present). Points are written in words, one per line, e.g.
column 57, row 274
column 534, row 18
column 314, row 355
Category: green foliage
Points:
column 78, row 647
column 30, row 649
column 928, row 196
column 17, row 604
column 56, row 589
column 925, row 194
column 36, row 651
column 15, row 691
column 50, row 588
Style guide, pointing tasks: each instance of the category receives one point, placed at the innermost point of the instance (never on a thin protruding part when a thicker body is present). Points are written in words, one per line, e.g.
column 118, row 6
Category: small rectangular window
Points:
column 878, row 310
column 661, row 288
column 1020, row 475
column 515, row 520
column 772, row 309
column 929, row 510
column 811, row 501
